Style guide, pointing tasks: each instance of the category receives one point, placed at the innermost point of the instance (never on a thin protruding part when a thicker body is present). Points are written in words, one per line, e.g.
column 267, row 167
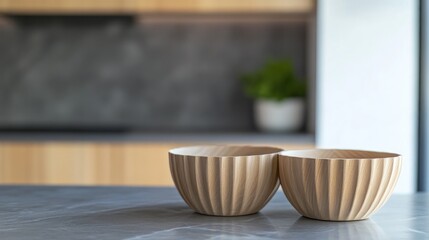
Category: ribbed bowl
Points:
column 338, row 185
column 225, row 180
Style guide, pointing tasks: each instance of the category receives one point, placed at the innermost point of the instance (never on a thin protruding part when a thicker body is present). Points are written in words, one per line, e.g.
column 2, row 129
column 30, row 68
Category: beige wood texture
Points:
column 89, row 163
column 84, row 163
column 153, row 6
column 225, row 181
column 338, row 185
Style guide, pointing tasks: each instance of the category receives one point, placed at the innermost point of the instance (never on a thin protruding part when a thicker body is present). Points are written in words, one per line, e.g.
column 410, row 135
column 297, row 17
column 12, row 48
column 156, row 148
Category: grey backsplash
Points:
column 84, row 72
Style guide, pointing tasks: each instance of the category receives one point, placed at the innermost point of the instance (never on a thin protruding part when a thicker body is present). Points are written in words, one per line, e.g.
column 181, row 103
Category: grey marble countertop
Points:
column 32, row 212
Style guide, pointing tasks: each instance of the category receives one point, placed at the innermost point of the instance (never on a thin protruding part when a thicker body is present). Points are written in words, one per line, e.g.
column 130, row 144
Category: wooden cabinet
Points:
column 89, row 163
column 153, row 6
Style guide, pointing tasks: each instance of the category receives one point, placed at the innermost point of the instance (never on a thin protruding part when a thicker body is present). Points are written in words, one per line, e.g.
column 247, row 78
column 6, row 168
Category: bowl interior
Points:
column 224, row 151
column 337, row 154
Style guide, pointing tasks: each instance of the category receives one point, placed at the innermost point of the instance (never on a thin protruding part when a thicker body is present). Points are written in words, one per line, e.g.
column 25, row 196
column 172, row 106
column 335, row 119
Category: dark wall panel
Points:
column 158, row 75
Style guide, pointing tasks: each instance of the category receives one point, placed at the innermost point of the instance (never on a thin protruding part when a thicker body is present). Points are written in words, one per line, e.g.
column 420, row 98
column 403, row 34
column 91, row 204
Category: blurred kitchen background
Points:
column 96, row 92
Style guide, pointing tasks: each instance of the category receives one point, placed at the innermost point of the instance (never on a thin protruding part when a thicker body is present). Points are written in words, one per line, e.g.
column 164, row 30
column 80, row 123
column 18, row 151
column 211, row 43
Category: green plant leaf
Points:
column 276, row 80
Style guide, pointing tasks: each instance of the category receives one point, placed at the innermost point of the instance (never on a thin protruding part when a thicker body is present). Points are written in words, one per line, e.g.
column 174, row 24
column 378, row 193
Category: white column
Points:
column 367, row 79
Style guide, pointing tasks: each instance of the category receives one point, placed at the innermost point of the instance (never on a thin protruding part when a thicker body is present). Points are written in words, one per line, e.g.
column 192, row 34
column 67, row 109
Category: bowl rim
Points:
column 290, row 153
column 271, row 149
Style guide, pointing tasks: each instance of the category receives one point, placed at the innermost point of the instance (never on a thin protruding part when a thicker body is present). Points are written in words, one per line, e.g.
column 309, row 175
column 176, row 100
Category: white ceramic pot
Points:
column 279, row 116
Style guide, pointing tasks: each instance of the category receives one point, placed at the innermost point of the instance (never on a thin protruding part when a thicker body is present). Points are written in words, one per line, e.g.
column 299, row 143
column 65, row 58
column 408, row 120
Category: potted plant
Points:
column 279, row 96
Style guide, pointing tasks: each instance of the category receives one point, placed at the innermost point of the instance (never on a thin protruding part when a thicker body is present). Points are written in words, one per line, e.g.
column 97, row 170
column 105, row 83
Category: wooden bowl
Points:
column 338, row 185
column 225, row 180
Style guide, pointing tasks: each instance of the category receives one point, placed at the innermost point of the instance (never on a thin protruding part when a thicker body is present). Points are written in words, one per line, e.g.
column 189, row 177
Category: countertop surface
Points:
column 32, row 212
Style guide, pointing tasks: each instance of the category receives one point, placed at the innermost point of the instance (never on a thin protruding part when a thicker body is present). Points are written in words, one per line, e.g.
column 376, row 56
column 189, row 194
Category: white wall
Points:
column 367, row 78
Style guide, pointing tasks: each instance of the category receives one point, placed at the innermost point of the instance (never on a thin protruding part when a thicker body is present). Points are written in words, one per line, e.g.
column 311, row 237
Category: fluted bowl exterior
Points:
column 338, row 185
column 225, row 185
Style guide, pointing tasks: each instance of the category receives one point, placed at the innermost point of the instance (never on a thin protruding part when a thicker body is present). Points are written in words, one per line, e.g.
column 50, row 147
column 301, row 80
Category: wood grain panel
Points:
column 88, row 163
column 153, row 6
